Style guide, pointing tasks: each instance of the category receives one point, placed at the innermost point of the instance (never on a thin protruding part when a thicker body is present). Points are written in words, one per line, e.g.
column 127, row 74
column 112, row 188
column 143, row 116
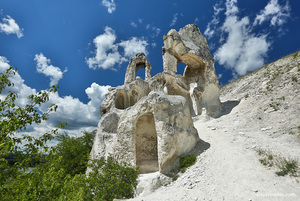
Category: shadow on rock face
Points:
column 227, row 107
column 200, row 147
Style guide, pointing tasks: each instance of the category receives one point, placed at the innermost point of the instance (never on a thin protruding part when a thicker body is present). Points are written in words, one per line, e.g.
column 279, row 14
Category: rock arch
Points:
column 146, row 144
column 135, row 63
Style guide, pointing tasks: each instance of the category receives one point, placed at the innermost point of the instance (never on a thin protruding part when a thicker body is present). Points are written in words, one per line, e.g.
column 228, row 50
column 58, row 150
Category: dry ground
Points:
column 261, row 111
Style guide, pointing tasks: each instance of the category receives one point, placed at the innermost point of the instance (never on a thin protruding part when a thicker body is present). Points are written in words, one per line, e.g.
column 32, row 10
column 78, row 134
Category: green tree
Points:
column 52, row 180
column 13, row 120
column 107, row 180
column 72, row 154
column 61, row 174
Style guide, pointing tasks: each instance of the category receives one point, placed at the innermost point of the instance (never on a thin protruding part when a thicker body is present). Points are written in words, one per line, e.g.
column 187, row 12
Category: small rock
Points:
column 265, row 129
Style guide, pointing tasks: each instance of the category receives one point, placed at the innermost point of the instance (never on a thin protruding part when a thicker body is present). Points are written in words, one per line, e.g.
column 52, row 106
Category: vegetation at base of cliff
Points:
column 63, row 176
column 59, row 172
column 186, row 162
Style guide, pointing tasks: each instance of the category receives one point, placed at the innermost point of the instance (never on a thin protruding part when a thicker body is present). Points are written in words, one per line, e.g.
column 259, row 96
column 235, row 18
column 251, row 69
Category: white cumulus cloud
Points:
column 110, row 5
column 276, row 13
column 96, row 94
column 107, row 53
column 19, row 87
column 133, row 46
column 241, row 49
column 9, row 26
column 3, row 64
column 43, row 66
column 78, row 115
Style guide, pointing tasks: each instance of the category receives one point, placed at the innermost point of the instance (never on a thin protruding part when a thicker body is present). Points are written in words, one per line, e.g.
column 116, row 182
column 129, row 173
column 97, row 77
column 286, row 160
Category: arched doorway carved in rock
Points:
column 120, row 101
column 146, row 144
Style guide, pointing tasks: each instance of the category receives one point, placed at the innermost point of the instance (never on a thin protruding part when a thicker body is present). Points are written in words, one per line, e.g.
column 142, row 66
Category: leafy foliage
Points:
column 110, row 180
column 57, row 180
column 59, row 175
column 14, row 119
column 187, row 161
column 107, row 180
column 72, row 154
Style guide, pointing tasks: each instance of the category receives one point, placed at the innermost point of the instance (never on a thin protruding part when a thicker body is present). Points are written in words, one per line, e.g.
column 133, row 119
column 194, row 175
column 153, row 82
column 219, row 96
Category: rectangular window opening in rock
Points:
column 146, row 144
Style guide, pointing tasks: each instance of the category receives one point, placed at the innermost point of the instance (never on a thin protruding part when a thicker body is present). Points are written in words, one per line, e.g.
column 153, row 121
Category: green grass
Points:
column 274, row 105
column 294, row 79
column 282, row 98
column 295, row 131
column 295, row 54
column 185, row 162
column 175, row 177
column 284, row 166
column 288, row 167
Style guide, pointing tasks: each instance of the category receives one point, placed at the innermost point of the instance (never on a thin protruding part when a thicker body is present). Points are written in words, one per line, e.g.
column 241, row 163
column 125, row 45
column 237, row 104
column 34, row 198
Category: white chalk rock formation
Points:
column 190, row 47
column 148, row 123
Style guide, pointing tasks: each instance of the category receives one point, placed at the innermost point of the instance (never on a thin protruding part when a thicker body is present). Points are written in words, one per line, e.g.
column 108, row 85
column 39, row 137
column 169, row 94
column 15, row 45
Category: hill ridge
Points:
column 260, row 114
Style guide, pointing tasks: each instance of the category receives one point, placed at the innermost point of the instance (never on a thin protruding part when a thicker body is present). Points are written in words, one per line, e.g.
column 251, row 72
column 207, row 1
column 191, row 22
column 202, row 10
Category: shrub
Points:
column 294, row 79
column 175, row 177
column 187, row 161
column 109, row 180
column 287, row 167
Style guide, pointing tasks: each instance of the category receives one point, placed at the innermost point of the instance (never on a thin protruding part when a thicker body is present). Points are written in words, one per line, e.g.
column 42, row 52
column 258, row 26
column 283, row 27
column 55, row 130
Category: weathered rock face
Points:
column 135, row 63
column 148, row 123
column 155, row 132
column 190, row 47
column 151, row 134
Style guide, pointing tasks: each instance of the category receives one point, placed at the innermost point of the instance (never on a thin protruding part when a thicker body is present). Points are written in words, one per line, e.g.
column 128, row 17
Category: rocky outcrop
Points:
column 135, row 63
column 148, row 123
column 190, row 47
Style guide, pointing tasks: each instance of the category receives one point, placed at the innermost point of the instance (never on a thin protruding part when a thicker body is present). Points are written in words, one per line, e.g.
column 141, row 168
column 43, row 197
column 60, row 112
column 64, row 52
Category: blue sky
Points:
column 84, row 46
